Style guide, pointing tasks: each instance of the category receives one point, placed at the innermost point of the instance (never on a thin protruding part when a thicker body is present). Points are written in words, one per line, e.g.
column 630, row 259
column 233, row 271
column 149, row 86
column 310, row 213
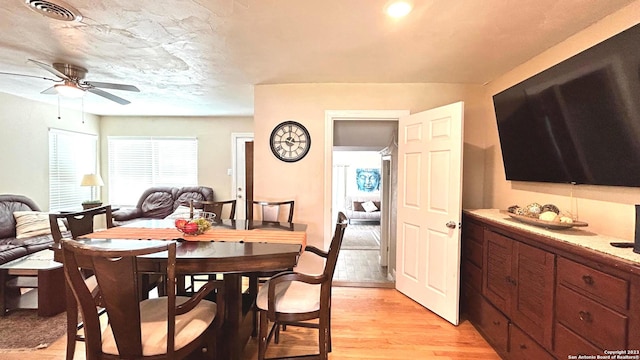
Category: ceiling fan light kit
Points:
column 69, row 90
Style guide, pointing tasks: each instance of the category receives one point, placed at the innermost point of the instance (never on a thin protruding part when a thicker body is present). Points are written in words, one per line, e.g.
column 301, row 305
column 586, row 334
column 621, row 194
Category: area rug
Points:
column 361, row 237
column 25, row 330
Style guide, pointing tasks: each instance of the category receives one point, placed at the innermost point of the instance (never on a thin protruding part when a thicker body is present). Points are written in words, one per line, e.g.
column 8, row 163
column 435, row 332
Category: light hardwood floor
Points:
column 367, row 323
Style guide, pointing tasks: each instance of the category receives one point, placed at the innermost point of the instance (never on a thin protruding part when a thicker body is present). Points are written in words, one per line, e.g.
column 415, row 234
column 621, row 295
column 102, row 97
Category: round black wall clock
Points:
column 290, row 141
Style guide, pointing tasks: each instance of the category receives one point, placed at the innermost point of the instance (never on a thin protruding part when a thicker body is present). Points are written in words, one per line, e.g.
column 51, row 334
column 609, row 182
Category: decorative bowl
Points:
column 200, row 223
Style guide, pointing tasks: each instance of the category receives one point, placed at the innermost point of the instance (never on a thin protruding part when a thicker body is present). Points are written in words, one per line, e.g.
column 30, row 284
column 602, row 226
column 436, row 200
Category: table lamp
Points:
column 93, row 180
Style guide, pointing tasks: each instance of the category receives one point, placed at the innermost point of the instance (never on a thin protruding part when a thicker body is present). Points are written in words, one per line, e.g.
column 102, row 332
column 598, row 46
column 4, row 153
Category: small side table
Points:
column 43, row 279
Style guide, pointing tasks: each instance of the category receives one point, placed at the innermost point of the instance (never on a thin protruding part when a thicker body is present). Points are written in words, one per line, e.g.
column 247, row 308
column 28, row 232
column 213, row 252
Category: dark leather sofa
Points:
column 160, row 201
column 10, row 247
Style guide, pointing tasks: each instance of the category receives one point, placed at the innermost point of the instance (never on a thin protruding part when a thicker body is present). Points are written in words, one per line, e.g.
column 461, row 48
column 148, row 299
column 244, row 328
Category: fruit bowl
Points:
column 196, row 226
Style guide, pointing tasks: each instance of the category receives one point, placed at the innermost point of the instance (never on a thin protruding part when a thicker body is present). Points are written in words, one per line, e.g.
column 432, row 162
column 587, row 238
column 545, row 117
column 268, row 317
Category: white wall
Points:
column 214, row 143
column 608, row 210
column 24, row 143
column 303, row 181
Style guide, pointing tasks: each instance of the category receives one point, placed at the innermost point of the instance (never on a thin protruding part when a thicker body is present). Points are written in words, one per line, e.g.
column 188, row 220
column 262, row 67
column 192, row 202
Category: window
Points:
column 71, row 155
column 138, row 163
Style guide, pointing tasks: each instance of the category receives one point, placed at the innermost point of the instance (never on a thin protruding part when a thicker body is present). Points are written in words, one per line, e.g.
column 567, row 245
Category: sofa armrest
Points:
column 127, row 214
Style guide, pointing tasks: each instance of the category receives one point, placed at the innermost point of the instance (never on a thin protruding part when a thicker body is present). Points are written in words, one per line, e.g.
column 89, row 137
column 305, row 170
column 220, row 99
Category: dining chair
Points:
column 293, row 298
column 167, row 327
column 271, row 210
column 222, row 210
column 78, row 223
column 268, row 211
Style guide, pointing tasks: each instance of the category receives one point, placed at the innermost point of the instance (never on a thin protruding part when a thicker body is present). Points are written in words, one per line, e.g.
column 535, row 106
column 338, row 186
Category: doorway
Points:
column 238, row 171
column 366, row 267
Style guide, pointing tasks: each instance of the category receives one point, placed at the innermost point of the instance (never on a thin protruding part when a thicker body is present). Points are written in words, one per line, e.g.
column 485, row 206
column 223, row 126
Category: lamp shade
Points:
column 91, row 180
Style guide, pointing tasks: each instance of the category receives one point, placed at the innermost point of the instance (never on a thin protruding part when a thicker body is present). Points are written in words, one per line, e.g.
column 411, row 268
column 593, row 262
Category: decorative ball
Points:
column 548, row 216
column 534, row 209
column 513, row 208
column 550, row 207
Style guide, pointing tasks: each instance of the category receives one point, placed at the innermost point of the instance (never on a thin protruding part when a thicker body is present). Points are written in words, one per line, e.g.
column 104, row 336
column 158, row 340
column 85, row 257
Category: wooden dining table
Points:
column 236, row 250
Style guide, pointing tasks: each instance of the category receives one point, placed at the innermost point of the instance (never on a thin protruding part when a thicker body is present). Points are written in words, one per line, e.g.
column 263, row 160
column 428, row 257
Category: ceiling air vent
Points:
column 54, row 9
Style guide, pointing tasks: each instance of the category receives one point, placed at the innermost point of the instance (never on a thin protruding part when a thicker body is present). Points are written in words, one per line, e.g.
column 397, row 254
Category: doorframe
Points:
column 234, row 159
column 331, row 116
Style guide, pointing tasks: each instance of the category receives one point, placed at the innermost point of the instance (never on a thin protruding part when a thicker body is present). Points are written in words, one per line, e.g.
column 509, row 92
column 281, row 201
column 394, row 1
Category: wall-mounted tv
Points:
column 578, row 121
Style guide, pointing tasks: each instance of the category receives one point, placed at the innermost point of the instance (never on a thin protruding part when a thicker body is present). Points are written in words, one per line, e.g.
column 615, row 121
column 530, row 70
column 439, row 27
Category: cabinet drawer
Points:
column 495, row 327
column 472, row 275
column 522, row 347
column 602, row 326
column 473, row 231
column 473, row 252
column 607, row 288
column 569, row 343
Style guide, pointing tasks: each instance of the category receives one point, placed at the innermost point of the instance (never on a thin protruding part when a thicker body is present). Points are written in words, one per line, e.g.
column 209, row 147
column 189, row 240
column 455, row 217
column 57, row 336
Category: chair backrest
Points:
column 80, row 222
column 118, row 279
column 222, row 209
column 270, row 210
column 334, row 246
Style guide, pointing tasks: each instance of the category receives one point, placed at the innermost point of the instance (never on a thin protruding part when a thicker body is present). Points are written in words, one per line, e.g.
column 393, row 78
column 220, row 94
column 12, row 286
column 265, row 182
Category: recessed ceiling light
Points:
column 398, row 9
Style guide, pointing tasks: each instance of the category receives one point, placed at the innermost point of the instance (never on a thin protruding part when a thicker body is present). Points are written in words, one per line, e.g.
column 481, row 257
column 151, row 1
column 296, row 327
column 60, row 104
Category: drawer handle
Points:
column 585, row 316
column 587, row 279
column 523, row 346
column 496, row 322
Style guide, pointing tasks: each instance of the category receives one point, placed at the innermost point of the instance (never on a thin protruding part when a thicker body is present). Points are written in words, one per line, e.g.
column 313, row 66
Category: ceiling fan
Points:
column 71, row 83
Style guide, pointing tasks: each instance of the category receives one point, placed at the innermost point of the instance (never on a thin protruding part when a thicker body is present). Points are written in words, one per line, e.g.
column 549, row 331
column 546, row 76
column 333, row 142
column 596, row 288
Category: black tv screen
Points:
column 578, row 121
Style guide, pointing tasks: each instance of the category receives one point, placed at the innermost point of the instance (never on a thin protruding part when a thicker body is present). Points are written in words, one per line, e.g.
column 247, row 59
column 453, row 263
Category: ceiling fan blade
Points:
column 32, row 76
column 50, row 91
column 112, row 86
column 109, row 96
column 50, row 69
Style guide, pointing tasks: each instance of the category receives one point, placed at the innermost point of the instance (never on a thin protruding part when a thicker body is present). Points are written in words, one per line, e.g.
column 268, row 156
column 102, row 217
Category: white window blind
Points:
column 71, row 155
column 138, row 163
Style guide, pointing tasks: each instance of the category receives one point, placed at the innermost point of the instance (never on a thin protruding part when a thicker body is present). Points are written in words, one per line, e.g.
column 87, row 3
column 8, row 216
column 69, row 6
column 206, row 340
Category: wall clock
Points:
column 290, row 141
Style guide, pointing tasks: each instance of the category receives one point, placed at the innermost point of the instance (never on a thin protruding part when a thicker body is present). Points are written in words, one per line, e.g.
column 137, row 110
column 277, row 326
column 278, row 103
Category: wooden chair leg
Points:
column 323, row 338
column 72, row 323
column 263, row 334
column 253, row 292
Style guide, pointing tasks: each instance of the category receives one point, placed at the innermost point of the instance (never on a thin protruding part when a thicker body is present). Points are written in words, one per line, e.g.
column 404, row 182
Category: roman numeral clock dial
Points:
column 290, row 141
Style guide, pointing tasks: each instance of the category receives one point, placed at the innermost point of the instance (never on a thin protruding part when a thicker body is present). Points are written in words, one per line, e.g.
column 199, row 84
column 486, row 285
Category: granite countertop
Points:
column 578, row 236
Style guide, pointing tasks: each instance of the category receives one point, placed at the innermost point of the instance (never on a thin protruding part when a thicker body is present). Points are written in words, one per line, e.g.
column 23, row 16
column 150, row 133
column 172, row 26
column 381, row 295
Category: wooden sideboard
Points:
column 533, row 295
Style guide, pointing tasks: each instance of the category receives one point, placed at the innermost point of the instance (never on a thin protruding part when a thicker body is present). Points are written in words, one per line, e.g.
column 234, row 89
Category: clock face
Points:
column 290, row 141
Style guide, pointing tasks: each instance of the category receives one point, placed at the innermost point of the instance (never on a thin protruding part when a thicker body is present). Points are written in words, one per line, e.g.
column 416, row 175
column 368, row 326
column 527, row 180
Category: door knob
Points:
column 451, row 225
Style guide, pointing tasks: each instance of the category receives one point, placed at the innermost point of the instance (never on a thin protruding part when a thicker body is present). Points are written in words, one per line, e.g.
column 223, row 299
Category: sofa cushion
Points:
column 33, row 223
column 8, row 205
column 127, row 214
column 157, row 205
column 11, row 252
column 185, row 194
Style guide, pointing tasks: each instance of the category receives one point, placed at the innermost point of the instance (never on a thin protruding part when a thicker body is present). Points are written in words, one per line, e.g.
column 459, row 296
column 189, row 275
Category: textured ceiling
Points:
column 202, row 57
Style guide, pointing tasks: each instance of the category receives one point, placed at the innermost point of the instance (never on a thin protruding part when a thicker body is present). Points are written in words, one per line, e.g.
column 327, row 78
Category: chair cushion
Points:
column 153, row 316
column 310, row 264
column 291, row 297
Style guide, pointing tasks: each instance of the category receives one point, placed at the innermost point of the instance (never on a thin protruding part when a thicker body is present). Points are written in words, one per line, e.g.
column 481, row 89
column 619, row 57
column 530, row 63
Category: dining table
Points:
column 231, row 248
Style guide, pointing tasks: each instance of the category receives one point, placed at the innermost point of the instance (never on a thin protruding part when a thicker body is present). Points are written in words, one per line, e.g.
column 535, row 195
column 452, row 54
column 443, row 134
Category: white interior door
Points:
column 238, row 182
column 430, row 208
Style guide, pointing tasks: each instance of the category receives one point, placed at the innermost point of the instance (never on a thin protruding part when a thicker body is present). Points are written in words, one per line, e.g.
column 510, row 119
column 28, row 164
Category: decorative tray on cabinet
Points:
column 553, row 225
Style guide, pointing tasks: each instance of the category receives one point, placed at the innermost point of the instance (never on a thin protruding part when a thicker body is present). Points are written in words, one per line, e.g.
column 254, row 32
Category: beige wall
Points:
column 24, row 144
column 608, row 210
column 214, row 143
column 303, row 181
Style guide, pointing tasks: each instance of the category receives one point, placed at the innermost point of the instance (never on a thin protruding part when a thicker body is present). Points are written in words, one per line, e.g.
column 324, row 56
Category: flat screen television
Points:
column 578, row 121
